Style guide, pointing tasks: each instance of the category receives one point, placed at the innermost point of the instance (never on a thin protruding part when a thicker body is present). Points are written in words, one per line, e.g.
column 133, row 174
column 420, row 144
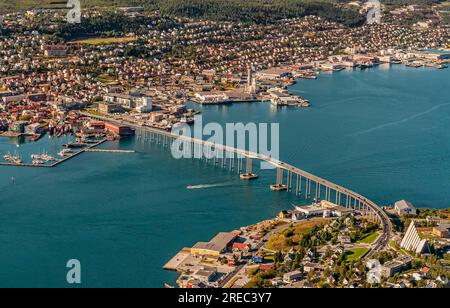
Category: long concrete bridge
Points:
column 289, row 178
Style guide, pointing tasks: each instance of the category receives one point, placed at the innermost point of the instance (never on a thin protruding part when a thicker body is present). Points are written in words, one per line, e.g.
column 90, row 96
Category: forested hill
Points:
column 259, row 11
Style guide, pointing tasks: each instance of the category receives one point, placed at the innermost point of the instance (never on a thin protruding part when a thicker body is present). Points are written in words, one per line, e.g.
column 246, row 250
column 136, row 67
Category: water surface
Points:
column 383, row 133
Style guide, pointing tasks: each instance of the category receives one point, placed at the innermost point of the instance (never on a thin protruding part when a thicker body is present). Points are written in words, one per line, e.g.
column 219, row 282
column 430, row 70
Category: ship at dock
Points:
column 13, row 158
column 281, row 97
column 65, row 152
column 42, row 157
column 74, row 145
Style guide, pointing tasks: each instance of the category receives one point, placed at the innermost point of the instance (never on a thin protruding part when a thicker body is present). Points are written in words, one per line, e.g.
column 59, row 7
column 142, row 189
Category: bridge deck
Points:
column 385, row 221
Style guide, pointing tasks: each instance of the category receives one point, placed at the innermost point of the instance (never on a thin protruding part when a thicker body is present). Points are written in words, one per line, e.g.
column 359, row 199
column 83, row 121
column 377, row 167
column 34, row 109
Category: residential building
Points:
column 442, row 231
column 106, row 107
column 292, row 276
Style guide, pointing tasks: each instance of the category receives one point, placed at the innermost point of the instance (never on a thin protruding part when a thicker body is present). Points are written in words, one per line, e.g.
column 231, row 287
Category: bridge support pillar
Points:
column 249, row 175
column 327, row 193
column 279, row 185
column 208, row 154
column 317, row 196
column 308, row 188
column 224, row 159
column 216, row 159
column 289, row 180
column 298, row 186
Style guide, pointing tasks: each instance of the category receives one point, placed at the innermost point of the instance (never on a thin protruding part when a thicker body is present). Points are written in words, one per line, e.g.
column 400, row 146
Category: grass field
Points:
column 355, row 254
column 369, row 239
column 106, row 40
column 290, row 236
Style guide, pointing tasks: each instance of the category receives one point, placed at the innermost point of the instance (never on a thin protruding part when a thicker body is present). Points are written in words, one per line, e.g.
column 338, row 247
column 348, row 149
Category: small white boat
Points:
column 65, row 152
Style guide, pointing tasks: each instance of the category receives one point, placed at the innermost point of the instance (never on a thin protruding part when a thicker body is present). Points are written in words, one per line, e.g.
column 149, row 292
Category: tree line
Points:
column 260, row 11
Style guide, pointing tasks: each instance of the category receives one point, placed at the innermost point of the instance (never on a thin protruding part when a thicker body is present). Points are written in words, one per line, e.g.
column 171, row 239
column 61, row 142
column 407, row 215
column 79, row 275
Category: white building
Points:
column 372, row 263
column 211, row 98
column 375, row 275
column 412, row 241
column 144, row 105
column 404, row 207
column 311, row 210
column 273, row 73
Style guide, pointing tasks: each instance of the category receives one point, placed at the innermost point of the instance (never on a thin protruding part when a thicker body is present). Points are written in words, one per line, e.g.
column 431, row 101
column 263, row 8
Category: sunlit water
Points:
column 382, row 132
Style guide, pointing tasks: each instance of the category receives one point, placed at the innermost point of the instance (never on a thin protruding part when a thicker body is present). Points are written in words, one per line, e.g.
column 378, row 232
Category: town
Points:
column 128, row 68
column 323, row 246
column 149, row 75
column 43, row 81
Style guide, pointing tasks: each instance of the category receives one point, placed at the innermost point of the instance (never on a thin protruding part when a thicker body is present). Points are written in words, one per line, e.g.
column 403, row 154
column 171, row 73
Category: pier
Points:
column 56, row 163
column 109, row 151
column 312, row 187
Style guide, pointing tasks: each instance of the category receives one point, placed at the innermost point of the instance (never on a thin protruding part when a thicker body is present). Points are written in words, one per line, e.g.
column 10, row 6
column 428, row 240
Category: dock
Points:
column 24, row 165
column 56, row 163
column 173, row 264
column 109, row 151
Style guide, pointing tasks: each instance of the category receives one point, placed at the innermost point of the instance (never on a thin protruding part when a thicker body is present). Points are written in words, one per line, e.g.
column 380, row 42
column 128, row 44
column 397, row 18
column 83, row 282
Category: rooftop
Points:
column 218, row 243
column 403, row 204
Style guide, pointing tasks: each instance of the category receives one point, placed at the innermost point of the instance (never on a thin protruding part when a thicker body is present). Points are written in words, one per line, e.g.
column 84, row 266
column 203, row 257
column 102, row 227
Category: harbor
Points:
column 132, row 199
column 55, row 162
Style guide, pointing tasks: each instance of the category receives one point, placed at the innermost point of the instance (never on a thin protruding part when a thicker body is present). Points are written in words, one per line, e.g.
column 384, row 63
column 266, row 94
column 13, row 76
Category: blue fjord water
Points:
column 382, row 132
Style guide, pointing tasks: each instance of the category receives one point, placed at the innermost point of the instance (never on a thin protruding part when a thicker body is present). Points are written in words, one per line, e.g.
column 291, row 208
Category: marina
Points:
column 40, row 160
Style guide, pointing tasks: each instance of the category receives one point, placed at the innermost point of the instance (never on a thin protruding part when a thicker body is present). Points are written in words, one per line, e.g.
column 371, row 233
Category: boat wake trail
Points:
column 413, row 117
column 205, row 186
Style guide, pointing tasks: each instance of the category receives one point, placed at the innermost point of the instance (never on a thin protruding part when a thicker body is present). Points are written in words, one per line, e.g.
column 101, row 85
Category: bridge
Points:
column 305, row 184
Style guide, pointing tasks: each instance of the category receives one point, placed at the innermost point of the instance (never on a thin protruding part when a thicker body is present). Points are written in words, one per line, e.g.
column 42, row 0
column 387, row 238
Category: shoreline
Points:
column 186, row 259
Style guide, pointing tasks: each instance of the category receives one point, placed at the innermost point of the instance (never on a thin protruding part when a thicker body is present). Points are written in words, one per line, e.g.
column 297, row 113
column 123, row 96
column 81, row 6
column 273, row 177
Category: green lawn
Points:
column 355, row 254
column 369, row 239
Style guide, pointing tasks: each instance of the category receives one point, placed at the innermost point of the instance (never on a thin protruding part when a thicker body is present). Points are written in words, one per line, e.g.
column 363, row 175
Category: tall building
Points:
column 144, row 104
column 251, row 81
column 412, row 241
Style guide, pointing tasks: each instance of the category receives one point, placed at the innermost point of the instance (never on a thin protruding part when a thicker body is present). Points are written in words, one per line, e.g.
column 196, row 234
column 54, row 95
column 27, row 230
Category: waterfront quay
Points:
column 279, row 253
column 234, row 259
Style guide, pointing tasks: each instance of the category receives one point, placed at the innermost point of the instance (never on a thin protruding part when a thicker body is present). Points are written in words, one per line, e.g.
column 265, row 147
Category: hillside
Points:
column 259, row 11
